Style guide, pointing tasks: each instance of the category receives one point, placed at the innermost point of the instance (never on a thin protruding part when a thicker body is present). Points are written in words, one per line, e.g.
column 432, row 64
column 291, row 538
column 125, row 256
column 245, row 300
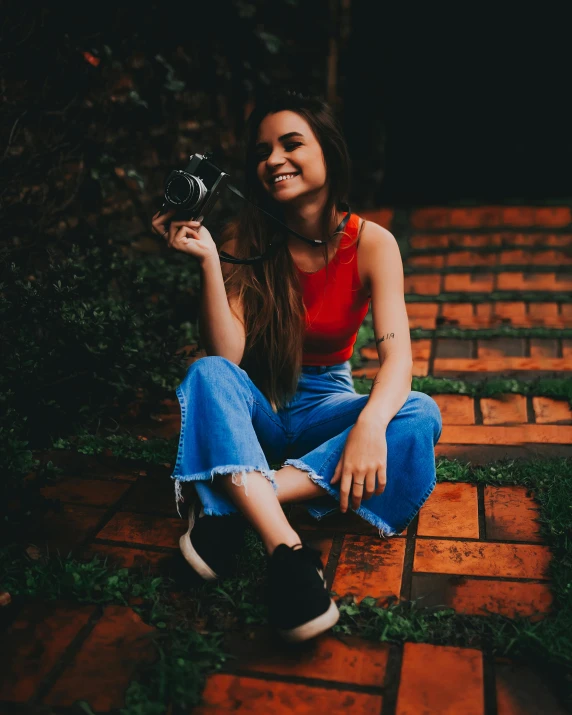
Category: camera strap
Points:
column 273, row 247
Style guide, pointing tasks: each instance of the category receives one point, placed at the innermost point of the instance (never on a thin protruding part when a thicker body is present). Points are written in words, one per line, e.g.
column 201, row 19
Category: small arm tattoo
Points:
column 387, row 336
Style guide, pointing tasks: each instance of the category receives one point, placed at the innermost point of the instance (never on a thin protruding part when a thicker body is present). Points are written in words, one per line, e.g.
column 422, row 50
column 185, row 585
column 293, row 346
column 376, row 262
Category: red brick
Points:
column 460, row 690
column 566, row 317
column 554, row 216
column 461, row 314
column 238, row 694
column 516, row 257
column 451, row 510
column 469, row 282
column 480, row 597
column 541, row 240
column 429, row 261
column 504, row 410
column 66, row 529
column 511, row 514
column 422, row 315
column 501, row 347
column 143, row 529
column 456, row 409
column 104, row 666
column 470, row 558
column 509, row 312
column 544, row 315
column 369, row 566
column 430, row 218
column 34, row 644
column 470, row 240
column 518, row 216
column 475, row 217
column 539, row 258
column 352, row 660
column 501, row 364
column 470, row 258
column 520, row 434
column 92, row 492
column 483, row 315
column 533, row 281
column 421, row 242
column 522, row 691
column 423, row 284
column 549, row 411
column 383, row 217
column 420, row 368
column 541, row 347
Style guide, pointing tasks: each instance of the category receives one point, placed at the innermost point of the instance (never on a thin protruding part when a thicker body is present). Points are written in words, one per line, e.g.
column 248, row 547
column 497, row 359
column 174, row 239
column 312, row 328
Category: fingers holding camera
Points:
column 160, row 222
column 192, row 238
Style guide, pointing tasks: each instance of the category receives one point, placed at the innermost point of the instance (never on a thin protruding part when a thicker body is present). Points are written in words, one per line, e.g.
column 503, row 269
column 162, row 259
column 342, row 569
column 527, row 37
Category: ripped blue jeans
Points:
column 228, row 427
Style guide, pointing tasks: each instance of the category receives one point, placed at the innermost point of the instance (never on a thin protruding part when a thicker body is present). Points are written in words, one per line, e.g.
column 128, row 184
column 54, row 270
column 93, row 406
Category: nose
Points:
column 275, row 158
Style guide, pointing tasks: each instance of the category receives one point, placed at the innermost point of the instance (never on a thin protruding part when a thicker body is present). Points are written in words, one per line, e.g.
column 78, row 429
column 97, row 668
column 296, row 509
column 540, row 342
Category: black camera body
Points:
column 193, row 191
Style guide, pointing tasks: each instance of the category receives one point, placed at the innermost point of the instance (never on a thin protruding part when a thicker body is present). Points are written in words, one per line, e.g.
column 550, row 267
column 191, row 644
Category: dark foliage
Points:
column 98, row 105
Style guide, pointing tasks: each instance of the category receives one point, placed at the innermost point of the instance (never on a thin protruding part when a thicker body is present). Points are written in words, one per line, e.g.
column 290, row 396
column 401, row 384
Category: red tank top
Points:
column 335, row 308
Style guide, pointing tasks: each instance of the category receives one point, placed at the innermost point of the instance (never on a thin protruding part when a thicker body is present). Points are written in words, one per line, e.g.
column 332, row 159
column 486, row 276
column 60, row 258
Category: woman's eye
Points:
column 289, row 147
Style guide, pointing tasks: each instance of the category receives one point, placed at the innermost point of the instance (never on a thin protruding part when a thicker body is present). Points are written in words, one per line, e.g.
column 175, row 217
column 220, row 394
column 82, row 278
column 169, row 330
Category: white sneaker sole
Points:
column 190, row 554
column 312, row 628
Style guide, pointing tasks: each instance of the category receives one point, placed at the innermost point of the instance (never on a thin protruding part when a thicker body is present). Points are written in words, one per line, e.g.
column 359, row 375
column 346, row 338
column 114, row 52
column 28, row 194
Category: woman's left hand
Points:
column 361, row 470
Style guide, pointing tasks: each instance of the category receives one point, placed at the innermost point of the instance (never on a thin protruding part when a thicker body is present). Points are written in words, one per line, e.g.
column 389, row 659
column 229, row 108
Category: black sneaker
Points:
column 299, row 605
column 215, row 542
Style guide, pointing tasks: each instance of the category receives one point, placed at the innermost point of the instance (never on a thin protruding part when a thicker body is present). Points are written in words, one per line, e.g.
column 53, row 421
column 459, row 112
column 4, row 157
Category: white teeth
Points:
column 283, row 177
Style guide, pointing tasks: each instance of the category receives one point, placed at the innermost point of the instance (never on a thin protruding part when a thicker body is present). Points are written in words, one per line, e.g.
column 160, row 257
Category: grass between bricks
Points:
column 190, row 622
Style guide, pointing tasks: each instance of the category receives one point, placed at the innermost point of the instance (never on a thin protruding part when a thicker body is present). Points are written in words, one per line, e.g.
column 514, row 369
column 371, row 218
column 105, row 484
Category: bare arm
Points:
column 222, row 332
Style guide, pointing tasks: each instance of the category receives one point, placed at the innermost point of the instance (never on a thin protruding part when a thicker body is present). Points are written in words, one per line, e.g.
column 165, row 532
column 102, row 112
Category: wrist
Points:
column 210, row 261
column 372, row 419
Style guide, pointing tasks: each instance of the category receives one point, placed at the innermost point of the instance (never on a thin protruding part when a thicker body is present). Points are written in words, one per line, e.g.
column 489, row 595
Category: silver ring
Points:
column 360, row 484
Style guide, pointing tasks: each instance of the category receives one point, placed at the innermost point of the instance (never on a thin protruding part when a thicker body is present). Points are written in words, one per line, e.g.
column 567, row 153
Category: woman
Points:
column 277, row 380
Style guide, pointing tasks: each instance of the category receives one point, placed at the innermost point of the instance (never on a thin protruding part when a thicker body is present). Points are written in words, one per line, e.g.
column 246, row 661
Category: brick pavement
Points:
column 475, row 549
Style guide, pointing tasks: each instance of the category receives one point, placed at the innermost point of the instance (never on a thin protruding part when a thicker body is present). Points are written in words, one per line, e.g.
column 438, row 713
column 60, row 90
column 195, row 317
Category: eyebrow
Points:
column 282, row 138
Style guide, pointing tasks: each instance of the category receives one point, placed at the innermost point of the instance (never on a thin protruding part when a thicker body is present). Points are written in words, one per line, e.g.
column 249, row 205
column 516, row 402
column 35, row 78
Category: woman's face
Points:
column 287, row 147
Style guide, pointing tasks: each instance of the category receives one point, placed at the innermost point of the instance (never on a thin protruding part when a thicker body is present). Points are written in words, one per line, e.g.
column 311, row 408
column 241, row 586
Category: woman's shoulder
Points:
column 373, row 235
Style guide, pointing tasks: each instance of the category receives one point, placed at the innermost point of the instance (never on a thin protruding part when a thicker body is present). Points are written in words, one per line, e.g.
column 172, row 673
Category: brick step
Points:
column 45, row 635
column 303, row 685
column 517, row 314
column 434, row 283
column 491, row 216
column 474, row 355
column 516, row 257
column 420, row 242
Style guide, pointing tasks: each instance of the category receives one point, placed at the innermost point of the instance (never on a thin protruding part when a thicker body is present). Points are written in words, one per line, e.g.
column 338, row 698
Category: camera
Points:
column 193, row 191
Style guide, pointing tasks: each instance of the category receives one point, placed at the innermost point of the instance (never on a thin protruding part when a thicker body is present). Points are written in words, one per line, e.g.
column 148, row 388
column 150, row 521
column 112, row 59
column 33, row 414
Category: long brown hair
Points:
column 269, row 290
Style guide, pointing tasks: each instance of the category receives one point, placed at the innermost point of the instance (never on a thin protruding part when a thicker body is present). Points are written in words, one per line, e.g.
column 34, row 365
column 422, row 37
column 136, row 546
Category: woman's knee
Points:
column 212, row 366
column 426, row 413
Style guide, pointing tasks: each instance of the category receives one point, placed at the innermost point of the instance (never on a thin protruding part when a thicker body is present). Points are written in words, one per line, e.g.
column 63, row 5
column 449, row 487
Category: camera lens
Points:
column 185, row 190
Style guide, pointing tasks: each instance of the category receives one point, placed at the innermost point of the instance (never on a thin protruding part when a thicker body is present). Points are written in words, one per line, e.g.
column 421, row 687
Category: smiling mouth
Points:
column 283, row 178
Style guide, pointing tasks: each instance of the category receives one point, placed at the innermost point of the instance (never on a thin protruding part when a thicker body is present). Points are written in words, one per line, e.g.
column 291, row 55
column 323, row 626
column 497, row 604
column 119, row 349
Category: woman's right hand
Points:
column 186, row 236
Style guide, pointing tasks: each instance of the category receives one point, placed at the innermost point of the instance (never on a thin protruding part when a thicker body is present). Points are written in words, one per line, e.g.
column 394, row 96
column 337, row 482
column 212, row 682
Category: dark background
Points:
column 475, row 104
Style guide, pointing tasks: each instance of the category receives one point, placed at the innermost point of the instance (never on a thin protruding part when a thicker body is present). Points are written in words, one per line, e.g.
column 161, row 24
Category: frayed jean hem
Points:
column 238, row 475
column 383, row 527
